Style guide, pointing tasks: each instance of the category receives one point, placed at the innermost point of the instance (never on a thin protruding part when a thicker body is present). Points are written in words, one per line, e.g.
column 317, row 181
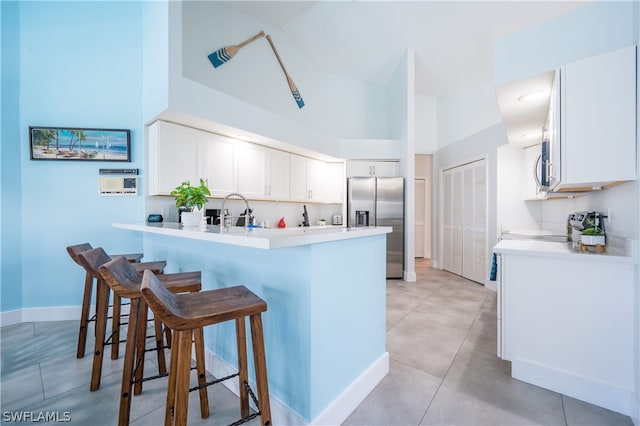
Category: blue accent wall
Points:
column 78, row 64
column 325, row 323
column 10, row 176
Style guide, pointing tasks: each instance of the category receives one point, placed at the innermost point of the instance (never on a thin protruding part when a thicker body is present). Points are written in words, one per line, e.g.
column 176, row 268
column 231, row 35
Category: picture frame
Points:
column 79, row 144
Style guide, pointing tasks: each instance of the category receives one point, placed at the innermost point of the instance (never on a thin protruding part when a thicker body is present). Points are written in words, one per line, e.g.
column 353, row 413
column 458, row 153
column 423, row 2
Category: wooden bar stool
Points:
column 186, row 314
column 91, row 260
column 85, row 319
column 125, row 281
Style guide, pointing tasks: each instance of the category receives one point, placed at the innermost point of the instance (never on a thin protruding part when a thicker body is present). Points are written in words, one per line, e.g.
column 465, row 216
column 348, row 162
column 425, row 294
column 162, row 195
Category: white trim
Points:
column 280, row 413
column 335, row 413
column 57, row 313
column 410, row 277
column 598, row 393
column 10, row 317
column 341, row 407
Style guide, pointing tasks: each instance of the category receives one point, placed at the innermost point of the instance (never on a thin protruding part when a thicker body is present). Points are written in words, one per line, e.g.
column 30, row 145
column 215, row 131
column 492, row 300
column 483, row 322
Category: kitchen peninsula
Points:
column 325, row 289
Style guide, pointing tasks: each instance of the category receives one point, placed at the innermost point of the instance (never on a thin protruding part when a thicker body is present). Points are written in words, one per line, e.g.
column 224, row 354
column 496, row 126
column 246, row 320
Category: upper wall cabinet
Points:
column 173, row 157
column 372, row 168
column 263, row 173
column 598, row 119
column 218, row 167
column 178, row 153
column 306, row 179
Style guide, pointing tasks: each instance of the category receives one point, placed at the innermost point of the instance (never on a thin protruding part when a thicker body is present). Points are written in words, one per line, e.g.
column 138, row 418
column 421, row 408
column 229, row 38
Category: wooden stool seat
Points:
column 186, row 314
column 91, row 260
column 125, row 281
column 85, row 318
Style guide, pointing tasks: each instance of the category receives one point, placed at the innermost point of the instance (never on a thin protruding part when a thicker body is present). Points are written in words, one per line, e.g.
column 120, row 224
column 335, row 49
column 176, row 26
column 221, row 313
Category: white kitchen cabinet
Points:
column 335, row 183
column 178, row 153
column 219, row 170
column 278, row 175
column 567, row 321
column 306, row 179
column 252, row 170
column 372, row 168
column 173, row 157
column 464, row 221
column 598, row 119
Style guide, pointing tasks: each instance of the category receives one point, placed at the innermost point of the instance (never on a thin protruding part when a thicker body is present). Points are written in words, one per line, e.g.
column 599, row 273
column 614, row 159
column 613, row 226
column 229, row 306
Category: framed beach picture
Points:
column 70, row 143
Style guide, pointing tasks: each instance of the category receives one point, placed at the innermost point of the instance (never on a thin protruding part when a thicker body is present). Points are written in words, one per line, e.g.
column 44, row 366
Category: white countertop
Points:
column 262, row 238
column 564, row 250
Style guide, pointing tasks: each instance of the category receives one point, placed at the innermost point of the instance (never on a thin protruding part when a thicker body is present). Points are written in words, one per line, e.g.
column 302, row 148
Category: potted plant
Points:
column 594, row 234
column 190, row 200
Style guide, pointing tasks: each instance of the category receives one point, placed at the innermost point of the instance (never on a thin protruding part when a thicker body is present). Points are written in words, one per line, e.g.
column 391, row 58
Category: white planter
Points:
column 192, row 219
column 592, row 240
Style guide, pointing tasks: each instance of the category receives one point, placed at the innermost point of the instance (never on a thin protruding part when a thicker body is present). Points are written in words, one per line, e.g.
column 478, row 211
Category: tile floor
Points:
column 441, row 337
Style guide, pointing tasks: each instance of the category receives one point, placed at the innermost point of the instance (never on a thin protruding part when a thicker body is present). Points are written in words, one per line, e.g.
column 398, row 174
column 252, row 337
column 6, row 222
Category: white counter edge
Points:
column 562, row 250
column 261, row 238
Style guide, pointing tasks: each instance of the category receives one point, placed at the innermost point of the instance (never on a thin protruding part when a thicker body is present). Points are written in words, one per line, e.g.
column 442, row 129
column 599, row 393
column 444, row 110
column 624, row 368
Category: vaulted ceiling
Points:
column 453, row 40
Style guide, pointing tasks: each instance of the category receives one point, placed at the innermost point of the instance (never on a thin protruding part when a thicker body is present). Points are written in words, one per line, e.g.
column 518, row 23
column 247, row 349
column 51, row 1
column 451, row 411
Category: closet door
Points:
column 452, row 221
column 474, row 241
column 464, row 220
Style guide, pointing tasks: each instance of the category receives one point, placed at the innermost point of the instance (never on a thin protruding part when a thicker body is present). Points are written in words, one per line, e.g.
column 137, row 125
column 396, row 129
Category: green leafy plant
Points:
column 593, row 229
column 188, row 197
column 596, row 230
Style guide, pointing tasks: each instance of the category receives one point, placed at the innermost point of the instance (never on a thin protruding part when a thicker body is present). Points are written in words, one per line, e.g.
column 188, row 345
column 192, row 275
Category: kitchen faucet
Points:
column 224, row 217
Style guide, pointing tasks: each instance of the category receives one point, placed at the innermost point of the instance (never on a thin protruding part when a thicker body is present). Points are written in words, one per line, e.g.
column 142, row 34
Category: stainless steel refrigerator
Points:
column 378, row 201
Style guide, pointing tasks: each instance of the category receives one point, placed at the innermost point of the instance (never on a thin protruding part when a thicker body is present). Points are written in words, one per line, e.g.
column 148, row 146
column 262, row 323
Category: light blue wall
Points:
column 592, row 29
column 10, row 172
column 79, row 66
column 326, row 309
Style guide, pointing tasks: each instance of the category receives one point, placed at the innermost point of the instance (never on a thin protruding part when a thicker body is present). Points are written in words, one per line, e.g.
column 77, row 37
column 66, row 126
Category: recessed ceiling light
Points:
column 533, row 96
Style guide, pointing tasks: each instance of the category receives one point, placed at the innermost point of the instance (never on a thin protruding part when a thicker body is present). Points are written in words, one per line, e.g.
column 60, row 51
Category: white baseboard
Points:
column 336, row 413
column 410, row 277
column 341, row 407
column 58, row 313
column 583, row 388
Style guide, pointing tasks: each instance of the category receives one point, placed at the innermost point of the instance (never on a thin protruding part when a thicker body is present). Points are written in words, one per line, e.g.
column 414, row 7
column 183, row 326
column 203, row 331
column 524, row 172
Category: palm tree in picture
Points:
column 79, row 136
column 42, row 138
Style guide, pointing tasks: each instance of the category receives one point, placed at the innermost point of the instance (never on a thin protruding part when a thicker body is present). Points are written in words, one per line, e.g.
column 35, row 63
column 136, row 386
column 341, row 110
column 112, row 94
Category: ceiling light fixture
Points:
column 533, row 96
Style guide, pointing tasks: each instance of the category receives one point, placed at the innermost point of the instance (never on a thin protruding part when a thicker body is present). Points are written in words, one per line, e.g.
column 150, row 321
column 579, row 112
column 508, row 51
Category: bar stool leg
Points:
column 261, row 369
column 243, row 375
column 102, row 306
column 198, row 338
column 182, row 380
column 129, row 361
column 141, row 344
column 115, row 326
column 162, row 363
column 84, row 315
column 171, row 385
